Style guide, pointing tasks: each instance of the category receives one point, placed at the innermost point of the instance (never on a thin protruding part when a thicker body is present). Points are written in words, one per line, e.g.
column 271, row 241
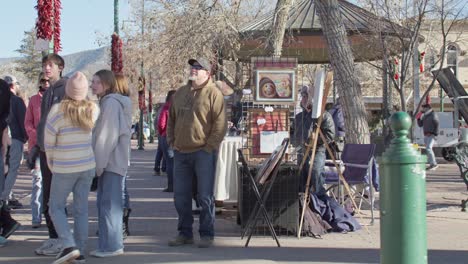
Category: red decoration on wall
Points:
column 141, row 93
column 421, row 61
column 116, row 51
column 396, row 68
column 150, row 100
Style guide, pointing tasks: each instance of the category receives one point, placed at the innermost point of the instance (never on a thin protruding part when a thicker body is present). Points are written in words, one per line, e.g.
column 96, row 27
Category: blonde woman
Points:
column 122, row 88
column 68, row 146
column 111, row 142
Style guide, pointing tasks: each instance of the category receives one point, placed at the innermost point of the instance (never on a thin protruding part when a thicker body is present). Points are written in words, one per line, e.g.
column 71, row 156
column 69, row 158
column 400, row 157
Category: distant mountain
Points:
column 88, row 62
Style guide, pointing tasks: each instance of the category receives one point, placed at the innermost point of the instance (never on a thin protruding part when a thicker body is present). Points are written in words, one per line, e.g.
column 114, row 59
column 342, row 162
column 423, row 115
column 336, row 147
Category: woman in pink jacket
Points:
column 33, row 115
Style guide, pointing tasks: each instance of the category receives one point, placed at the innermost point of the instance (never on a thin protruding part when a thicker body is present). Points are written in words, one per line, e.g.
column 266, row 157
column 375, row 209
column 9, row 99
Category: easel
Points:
column 311, row 147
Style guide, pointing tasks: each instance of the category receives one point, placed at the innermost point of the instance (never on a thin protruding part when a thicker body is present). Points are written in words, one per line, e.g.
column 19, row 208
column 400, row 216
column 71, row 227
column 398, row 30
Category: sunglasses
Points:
column 197, row 67
column 44, row 80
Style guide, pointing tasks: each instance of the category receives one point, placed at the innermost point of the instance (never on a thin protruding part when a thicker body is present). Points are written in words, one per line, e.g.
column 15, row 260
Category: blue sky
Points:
column 81, row 19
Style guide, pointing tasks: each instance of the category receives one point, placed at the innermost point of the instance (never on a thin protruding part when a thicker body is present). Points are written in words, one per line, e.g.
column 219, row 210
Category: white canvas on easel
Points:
column 318, row 93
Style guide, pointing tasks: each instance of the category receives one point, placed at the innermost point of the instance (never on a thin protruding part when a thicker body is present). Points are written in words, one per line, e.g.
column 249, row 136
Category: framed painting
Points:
column 275, row 86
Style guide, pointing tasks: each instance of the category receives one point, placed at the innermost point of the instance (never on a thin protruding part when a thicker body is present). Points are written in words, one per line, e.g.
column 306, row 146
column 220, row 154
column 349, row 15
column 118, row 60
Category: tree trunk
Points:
column 275, row 43
column 342, row 61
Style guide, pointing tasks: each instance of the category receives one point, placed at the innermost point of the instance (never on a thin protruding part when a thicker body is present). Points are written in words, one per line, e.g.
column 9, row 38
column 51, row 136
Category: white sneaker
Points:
column 45, row 245
column 102, row 254
column 54, row 249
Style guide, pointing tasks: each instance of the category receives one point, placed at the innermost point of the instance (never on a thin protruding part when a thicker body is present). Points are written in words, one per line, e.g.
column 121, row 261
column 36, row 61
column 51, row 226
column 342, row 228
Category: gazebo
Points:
column 304, row 36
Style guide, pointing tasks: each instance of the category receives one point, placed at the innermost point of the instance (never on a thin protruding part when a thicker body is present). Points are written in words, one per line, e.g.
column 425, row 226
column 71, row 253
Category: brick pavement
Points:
column 154, row 220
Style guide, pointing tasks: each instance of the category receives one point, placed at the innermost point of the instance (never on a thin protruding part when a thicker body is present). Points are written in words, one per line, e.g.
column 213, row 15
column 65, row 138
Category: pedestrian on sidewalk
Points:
column 122, row 88
column 429, row 121
column 197, row 125
column 67, row 141
column 168, row 152
column 18, row 138
column 111, row 142
column 159, row 162
column 33, row 115
column 52, row 67
column 8, row 225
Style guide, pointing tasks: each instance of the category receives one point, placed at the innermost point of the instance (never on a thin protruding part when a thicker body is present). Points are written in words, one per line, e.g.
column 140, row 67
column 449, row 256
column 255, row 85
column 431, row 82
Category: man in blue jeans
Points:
column 196, row 126
column 430, row 123
column 18, row 137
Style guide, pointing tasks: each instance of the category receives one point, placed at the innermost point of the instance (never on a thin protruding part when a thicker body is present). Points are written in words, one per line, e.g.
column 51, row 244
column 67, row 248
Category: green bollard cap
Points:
column 401, row 150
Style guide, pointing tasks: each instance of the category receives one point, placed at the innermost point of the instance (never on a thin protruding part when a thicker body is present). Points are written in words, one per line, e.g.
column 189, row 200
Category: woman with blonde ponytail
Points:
column 70, row 156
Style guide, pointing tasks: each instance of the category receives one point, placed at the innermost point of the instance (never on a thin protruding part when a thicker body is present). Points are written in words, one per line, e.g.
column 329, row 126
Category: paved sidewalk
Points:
column 154, row 221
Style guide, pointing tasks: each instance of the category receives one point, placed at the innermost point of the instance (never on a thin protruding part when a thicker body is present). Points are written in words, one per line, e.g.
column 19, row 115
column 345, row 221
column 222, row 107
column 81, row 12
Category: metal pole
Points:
column 150, row 113
column 116, row 17
column 416, row 96
column 141, row 143
column 403, row 227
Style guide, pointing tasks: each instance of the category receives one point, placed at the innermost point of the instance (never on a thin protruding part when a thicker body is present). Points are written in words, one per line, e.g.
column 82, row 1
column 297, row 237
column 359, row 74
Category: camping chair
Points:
column 264, row 179
column 358, row 161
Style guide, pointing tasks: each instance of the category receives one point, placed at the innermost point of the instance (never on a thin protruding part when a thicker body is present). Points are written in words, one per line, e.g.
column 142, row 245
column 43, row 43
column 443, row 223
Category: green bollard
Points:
column 402, row 198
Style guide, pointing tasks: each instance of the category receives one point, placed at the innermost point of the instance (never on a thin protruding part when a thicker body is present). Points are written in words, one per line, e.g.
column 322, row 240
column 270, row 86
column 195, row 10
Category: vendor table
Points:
column 226, row 175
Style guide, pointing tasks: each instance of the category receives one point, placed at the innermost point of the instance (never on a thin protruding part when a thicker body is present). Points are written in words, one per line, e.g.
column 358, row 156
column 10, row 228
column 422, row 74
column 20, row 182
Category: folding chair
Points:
column 264, row 179
column 358, row 161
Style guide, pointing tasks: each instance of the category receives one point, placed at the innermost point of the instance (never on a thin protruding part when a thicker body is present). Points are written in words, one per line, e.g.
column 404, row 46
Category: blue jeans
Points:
column 110, row 213
column 317, row 181
column 202, row 164
column 16, row 155
column 169, row 158
column 159, row 163
column 125, row 195
column 36, row 194
column 2, row 169
column 62, row 184
column 429, row 142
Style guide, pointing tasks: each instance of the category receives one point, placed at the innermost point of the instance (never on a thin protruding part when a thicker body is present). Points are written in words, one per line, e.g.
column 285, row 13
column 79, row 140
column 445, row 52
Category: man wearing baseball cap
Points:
column 197, row 125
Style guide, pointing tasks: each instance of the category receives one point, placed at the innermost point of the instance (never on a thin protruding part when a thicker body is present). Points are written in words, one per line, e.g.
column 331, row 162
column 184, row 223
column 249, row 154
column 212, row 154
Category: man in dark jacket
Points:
column 304, row 123
column 337, row 113
column 18, row 138
column 430, row 123
column 52, row 66
column 7, row 224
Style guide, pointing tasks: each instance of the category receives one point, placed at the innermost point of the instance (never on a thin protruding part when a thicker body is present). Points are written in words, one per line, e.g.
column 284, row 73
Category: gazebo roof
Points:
column 303, row 17
column 304, row 36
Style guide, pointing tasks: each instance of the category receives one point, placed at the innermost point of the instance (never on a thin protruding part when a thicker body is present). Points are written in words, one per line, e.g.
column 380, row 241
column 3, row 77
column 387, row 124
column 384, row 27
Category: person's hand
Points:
column 99, row 171
column 419, row 115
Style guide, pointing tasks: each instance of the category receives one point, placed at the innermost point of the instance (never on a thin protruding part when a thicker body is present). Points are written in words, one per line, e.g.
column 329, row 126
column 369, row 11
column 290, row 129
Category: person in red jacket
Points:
column 168, row 153
column 33, row 115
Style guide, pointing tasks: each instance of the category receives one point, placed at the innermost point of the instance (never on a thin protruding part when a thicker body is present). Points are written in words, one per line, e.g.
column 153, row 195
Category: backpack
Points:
column 313, row 225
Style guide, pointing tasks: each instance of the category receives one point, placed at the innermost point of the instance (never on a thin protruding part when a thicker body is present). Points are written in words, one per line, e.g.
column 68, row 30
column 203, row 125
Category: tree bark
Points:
column 275, row 42
column 342, row 61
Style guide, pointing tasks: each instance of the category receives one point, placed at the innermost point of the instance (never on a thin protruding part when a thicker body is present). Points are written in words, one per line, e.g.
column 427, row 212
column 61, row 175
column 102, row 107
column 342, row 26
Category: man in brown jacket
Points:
column 196, row 126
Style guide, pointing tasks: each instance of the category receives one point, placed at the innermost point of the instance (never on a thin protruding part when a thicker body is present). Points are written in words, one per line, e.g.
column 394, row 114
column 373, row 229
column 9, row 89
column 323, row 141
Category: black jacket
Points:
column 16, row 119
column 302, row 123
column 4, row 106
column 430, row 123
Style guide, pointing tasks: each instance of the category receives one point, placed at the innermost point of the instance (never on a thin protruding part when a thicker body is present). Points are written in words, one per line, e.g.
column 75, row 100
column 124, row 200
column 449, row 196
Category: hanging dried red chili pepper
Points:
column 116, row 52
column 57, row 29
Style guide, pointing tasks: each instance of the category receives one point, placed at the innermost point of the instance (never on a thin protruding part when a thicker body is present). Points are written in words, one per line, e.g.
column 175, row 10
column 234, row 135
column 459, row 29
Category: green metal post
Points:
column 402, row 198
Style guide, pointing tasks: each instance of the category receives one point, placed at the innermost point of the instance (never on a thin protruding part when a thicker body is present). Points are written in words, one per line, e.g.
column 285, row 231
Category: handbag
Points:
column 94, row 184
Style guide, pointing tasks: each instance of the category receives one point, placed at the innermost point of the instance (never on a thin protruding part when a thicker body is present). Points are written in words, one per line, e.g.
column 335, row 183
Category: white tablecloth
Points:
column 226, row 169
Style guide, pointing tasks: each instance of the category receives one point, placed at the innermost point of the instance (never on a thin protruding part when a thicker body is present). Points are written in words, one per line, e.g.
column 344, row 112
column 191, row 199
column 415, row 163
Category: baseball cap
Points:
column 203, row 62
